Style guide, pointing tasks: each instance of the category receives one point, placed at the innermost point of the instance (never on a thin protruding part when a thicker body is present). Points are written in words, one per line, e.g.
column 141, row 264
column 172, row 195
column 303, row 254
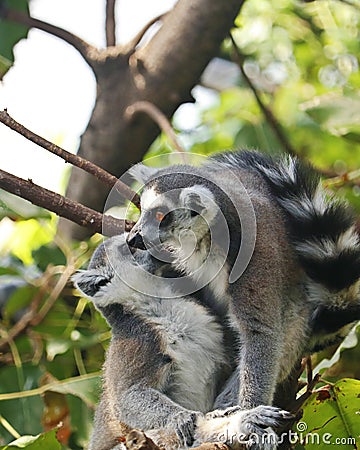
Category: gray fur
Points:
column 162, row 367
column 271, row 305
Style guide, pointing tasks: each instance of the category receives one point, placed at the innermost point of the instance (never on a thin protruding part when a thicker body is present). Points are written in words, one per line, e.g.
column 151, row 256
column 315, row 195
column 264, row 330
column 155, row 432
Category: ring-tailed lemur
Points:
column 306, row 261
column 166, row 357
column 105, row 284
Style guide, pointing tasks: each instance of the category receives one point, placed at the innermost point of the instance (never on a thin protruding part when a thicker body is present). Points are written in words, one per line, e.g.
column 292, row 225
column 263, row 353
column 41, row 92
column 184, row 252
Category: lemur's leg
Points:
column 248, row 418
column 108, row 433
column 148, row 409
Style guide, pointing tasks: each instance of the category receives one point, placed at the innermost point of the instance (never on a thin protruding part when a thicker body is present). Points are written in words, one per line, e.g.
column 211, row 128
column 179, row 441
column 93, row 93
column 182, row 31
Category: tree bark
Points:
column 163, row 73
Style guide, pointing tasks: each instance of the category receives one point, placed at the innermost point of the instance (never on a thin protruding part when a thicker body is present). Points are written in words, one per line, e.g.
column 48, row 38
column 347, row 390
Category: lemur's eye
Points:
column 194, row 213
column 159, row 216
column 162, row 216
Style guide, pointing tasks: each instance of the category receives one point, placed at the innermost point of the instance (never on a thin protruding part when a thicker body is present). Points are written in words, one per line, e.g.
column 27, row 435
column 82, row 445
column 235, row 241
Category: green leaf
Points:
column 19, row 300
column 336, row 113
column 347, row 392
column 42, row 441
column 23, row 413
column 17, row 208
column 5, row 65
column 29, row 235
column 85, row 387
column 11, row 33
column 47, row 253
column 330, row 417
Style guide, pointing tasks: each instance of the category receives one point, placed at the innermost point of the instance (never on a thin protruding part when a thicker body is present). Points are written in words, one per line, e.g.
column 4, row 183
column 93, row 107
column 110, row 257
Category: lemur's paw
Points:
column 138, row 440
column 222, row 412
column 252, row 427
column 184, row 423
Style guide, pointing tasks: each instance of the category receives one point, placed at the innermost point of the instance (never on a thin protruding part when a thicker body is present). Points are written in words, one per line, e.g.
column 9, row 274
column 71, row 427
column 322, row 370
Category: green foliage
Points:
column 50, row 370
column 18, row 208
column 302, row 58
column 11, row 33
column 331, row 417
column 39, row 442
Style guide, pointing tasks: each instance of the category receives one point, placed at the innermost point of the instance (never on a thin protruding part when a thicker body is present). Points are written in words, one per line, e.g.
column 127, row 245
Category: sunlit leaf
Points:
column 85, row 387
column 18, row 208
column 29, row 235
column 330, row 417
column 5, row 65
column 42, row 441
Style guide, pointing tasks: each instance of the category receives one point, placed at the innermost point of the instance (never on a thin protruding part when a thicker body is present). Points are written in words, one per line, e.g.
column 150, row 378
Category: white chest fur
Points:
column 207, row 268
column 194, row 341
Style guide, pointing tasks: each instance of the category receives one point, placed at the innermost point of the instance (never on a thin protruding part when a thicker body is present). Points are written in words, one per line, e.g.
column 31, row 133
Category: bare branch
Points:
column 162, row 72
column 138, row 440
column 159, row 117
column 130, row 46
column 75, row 160
column 352, row 178
column 213, row 446
column 110, row 24
column 274, row 124
column 87, row 51
column 62, row 206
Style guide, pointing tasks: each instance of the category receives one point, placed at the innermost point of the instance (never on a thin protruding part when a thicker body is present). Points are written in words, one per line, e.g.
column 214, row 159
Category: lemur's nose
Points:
column 136, row 241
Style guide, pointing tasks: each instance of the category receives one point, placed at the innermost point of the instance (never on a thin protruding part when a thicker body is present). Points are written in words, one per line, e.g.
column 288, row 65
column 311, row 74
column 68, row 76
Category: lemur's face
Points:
column 177, row 210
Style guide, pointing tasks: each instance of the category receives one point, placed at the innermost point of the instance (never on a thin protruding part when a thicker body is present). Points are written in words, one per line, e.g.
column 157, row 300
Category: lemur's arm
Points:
column 136, row 376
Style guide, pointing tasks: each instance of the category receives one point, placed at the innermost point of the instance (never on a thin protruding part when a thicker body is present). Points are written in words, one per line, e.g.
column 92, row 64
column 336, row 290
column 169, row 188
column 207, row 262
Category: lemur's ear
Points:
column 199, row 200
column 89, row 282
column 142, row 173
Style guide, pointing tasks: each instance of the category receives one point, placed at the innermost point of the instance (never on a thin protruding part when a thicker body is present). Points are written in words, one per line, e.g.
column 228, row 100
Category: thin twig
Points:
column 75, row 160
column 25, row 320
column 34, row 316
column 134, row 42
column 110, row 24
column 309, row 390
column 274, row 124
column 352, row 178
column 62, row 206
column 87, row 51
column 213, row 446
column 55, row 293
column 159, row 117
column 309, row 372
column 138, row 440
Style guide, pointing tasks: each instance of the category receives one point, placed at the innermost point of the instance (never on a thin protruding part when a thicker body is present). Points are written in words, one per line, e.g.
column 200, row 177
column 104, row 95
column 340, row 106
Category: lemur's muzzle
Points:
column 136, row 241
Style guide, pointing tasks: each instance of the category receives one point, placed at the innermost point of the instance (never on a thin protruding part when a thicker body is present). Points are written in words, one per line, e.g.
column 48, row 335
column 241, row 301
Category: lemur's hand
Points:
column 252, row 427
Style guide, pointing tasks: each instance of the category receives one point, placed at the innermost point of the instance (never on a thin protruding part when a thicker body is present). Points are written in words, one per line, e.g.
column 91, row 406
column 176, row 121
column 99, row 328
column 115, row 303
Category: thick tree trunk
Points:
column 163, row 72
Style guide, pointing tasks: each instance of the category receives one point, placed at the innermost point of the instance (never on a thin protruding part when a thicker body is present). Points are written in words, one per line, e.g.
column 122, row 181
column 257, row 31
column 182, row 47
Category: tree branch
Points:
column 63, row 206
column 75, row 160
column 158, row 117
column 130, row 46
column 269, row 116
column 110, row 24
column 138, row 440
column 162, row 72
column 87, row 51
